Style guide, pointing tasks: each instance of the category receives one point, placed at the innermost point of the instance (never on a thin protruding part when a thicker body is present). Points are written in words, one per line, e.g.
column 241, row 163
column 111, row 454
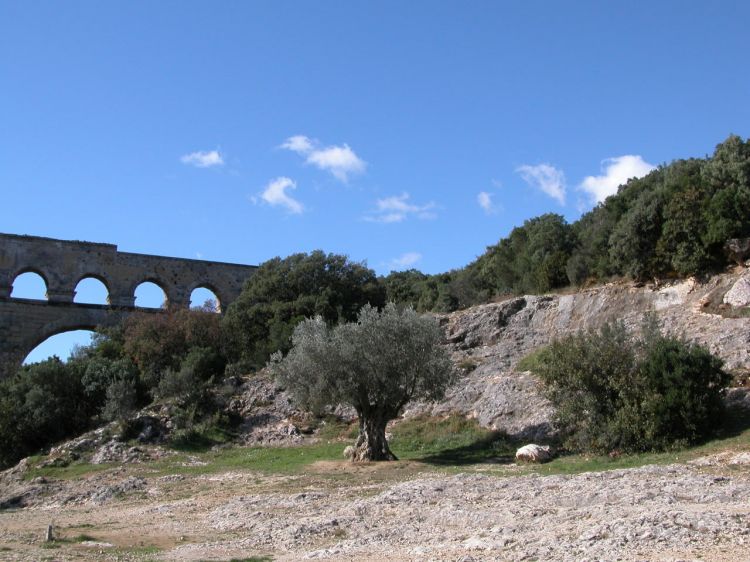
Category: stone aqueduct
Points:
column 25, row 323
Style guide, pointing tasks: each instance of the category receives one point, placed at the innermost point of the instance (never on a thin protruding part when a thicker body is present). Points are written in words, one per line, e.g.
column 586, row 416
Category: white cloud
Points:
column 485, row 201
column 201, row 159
column 341, row 161
column 299, row 144
column 615, row 172
column 405, row 261
column 545, row 177
column 397, row 208
column 275, row 195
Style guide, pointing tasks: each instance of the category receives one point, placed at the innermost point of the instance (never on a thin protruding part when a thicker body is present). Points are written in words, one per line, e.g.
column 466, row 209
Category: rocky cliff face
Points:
column 489, row 340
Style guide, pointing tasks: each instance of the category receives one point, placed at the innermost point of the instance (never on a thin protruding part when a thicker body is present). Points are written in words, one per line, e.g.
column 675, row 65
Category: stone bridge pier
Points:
column 62, row 264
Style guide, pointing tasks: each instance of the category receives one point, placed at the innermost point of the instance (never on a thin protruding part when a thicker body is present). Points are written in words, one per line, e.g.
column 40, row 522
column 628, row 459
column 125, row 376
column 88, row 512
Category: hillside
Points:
column 489, row 340
column 111, row 500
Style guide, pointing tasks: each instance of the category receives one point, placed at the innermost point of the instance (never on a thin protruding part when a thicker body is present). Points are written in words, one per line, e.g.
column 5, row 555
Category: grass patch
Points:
column 532, row 361
column 83, row 538
column 201, row 438
column 264, row 459
column 452, row 443
column 332, row 428
column 454, row 440
column 70, row 472
column 442, row 441
column 578, row 463
column 139, row 550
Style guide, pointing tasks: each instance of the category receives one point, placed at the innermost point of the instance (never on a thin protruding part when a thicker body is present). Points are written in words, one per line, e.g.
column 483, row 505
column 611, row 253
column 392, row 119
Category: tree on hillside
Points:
column 157, row 343
column 727, row 174
column 376, row 364
column 531, row 259
column 283, row 292
column 632, row 245
column 42, row 403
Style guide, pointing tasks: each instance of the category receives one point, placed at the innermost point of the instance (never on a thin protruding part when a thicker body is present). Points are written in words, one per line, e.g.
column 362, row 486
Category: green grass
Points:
column 331, row 428
column 200, row 439
column 138, row 550
column 264, row 459
column 70, row 472
column 449, row 441
column 532, row 361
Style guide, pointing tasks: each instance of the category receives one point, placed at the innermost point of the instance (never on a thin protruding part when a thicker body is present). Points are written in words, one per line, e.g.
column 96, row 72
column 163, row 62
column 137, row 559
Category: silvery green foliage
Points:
column 377, row 364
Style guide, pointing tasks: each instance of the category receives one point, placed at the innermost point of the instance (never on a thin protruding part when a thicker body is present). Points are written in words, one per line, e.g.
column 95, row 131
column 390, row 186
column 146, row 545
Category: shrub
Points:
column 121, row 399
column 616, row 392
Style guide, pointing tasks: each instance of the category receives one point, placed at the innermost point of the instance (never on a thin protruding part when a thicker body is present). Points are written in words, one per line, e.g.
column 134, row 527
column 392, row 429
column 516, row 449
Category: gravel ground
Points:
column 699, row 510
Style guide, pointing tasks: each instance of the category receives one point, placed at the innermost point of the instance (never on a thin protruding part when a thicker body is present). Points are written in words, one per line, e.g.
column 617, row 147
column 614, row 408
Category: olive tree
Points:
column 376, row 364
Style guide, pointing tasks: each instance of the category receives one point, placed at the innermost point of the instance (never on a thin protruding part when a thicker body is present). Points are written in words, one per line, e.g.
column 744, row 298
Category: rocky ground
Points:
column 335, row 511
column 692, row 510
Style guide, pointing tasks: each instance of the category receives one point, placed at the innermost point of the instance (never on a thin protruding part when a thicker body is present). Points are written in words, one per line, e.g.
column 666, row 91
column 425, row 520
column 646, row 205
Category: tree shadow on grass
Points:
column 494, row 448
column 737, row 415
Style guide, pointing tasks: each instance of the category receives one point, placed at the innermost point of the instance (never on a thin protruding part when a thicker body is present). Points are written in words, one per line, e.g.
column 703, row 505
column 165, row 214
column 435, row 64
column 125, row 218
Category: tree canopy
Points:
column 283, row 292
column 673, row 222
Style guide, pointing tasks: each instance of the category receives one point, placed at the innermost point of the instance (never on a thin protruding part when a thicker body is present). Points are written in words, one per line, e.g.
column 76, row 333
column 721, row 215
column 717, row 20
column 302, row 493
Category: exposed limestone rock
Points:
column 533, row 453
column 507, row 401
column 268, row 416
column 118, row 452
column 490, row 339
column 739, row 294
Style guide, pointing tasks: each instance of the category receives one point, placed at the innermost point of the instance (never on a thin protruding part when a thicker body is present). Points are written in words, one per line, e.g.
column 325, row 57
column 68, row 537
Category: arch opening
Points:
column 203, row 298
column 29, row 285
column 91, row 290
column 63, row 345
column 150, row 295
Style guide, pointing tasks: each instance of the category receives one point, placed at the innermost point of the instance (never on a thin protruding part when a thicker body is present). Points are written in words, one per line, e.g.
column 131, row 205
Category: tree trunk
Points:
column 371, row 444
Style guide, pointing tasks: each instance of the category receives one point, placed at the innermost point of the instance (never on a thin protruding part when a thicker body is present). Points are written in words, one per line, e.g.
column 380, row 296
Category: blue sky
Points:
column 406, row 134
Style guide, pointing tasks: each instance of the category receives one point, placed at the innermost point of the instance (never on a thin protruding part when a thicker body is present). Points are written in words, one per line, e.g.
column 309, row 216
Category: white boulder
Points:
column 739, row 294
column 533, row 453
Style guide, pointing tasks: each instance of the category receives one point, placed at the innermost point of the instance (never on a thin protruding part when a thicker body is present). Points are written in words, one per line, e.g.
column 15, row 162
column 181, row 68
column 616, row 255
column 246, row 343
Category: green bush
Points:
column 617, row 392
column 40, row 405
column 121, row 399
column 283, row 292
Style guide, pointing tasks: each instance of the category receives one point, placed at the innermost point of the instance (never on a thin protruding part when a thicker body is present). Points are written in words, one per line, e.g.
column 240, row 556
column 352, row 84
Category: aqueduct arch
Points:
column 24, row 323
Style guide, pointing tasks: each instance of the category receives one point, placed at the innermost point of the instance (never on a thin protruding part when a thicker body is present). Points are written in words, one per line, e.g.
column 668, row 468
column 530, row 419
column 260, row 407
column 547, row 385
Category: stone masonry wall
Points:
column 62, row 264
